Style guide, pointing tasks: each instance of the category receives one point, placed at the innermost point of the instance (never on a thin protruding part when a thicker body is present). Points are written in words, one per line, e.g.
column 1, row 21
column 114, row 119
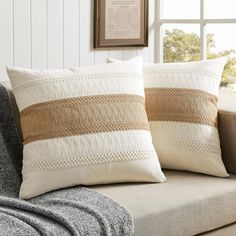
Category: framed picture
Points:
column 120, row 23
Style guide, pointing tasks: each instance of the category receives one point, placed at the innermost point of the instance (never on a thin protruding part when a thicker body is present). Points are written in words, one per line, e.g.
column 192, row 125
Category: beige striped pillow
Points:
column 181, row 104
column 84, row 126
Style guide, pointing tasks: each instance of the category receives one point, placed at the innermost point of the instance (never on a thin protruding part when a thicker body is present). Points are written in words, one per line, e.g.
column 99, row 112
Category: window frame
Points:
column 202, row 22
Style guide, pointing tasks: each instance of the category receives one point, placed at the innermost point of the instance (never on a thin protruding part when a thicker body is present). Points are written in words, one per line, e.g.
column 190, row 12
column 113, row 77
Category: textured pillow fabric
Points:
column 181, row 104
column 84, row 126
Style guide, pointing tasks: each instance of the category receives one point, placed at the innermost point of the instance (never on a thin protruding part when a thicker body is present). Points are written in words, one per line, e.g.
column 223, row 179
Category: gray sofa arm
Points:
column 227, row 129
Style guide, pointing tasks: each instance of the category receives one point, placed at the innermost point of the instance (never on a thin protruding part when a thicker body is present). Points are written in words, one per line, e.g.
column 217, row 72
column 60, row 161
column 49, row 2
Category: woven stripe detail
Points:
column 182, row 105
column 76, row 76
column 189, row 118
column 174, row 145
column 180, row 92
column 83, row 115
column 152, row 72
column 86, row 100
column 85, row 129
column 89, row 160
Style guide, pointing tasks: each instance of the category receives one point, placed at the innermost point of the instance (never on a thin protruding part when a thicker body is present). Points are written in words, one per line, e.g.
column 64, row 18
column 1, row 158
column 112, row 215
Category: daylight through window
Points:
column 189, row 30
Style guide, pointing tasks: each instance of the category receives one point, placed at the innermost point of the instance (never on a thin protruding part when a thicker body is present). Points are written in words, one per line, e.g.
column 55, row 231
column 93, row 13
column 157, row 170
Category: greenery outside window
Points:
column 190, row 30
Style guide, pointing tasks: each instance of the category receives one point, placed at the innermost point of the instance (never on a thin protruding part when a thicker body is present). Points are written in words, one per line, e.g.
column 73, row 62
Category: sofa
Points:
column 189, row 203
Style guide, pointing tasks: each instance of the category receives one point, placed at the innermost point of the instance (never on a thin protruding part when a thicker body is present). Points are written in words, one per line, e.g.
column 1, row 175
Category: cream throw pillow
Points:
column 84, row 126
column 181, row 104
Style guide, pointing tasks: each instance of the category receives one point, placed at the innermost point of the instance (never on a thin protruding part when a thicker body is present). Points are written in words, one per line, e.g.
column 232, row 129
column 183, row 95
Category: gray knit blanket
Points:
column 72, row 211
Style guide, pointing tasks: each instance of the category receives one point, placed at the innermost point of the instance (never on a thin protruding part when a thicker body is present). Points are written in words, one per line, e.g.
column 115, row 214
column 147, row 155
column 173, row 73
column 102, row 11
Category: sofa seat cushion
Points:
column 187, row 204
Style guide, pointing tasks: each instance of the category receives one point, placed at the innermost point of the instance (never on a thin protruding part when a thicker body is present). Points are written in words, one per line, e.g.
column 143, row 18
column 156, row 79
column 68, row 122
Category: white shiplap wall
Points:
column 51, row 34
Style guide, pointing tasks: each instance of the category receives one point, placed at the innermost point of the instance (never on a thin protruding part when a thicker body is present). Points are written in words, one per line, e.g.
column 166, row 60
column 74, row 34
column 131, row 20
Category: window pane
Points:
column 180, row 9
column 221, row 41
column 220, row 9
column 181, row 42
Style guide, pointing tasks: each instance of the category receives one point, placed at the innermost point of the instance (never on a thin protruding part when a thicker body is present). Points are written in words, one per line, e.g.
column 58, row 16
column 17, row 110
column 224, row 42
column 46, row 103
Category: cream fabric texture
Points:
column 188, row 204
column 181, row 104
column 84, row 126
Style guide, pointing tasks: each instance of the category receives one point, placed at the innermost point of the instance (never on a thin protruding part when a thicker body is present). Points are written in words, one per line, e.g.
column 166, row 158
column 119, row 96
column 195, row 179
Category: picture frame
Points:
column 120, row 23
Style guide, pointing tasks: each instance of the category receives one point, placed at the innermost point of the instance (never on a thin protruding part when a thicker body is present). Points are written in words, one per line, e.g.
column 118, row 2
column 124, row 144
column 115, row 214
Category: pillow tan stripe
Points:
column 83, row 115
column 182, row 105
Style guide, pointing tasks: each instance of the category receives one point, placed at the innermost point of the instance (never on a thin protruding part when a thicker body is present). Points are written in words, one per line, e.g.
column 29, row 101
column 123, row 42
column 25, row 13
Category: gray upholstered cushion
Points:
column 227, row 129
column 15, row 109
column 10, row 148
column 187, row 204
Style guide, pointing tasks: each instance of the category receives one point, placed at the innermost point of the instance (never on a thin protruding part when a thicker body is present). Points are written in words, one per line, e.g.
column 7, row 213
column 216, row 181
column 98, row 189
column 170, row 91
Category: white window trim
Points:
column 201, row 22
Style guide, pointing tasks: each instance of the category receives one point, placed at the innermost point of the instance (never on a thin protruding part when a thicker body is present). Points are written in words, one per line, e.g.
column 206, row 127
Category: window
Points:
column 190, row 30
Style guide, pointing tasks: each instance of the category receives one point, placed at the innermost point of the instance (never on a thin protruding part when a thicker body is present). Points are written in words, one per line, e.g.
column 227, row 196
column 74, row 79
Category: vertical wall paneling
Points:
column 117, row 54
column 71, row 33
column 55, row 31
column 39, row 33
column 129, row 53
column 6, row 38
column 22, row 33
column 101, row 56
column 86, row 33
column 151, row 31
column 57, row 34
column 144, row 53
